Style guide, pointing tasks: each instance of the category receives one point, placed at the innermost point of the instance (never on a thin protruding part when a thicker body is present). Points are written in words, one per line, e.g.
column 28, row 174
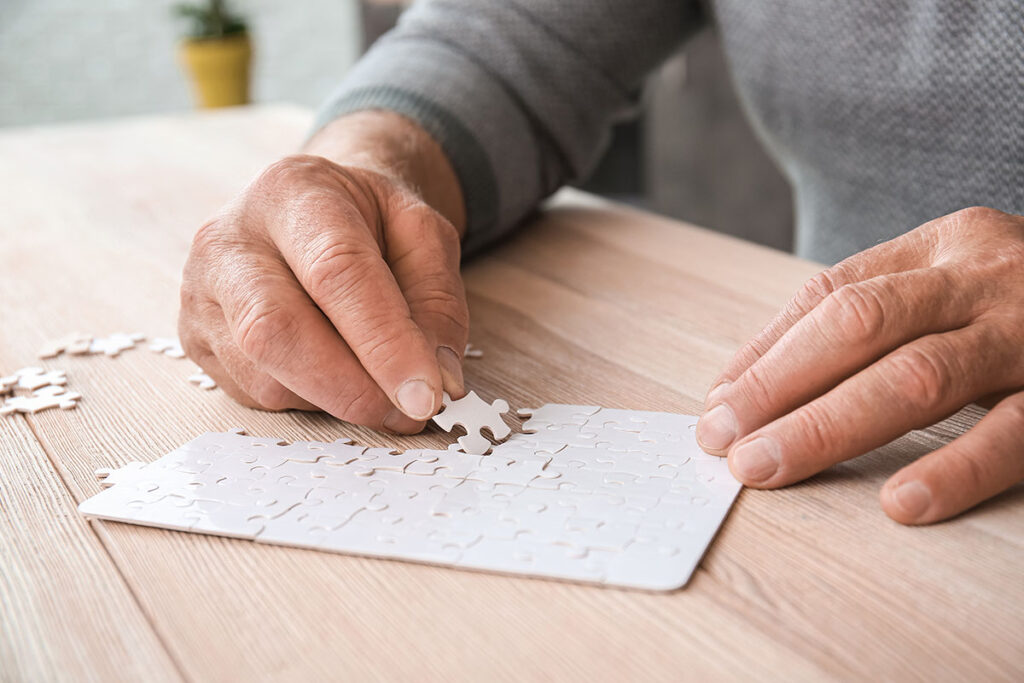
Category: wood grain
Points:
column 592, row 303
column 66, row 613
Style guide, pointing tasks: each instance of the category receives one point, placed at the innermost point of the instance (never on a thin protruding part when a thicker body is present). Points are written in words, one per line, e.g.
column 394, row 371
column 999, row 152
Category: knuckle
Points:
column 977, row 214
column 816, row 430
column 207, row 244
column 431, row 226
column 972, row 471
column 295, row 167
column 207, row 237
column 264, row 331
column 380, row 340
column 336, row 270
column 819, row 287
column 925, row 377
column 1013, row 408
column 440, row 302
column 857, row 310
column 754, row 387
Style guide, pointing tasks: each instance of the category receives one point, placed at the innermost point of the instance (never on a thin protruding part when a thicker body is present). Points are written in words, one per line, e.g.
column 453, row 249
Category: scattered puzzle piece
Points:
column 32, row 378
column 74, row 343
column 474, row 415
column 169, row 346
column 202, row 380
column 115, row 343
column 41, row 399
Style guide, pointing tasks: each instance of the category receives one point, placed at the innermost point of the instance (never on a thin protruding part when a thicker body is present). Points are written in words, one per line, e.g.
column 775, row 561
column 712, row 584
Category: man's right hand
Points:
column 333, row 287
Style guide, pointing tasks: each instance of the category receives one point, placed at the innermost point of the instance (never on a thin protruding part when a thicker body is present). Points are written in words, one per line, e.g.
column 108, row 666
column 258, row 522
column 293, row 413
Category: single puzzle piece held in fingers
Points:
column 169, row 346
column 474, row 414
column 43, row 399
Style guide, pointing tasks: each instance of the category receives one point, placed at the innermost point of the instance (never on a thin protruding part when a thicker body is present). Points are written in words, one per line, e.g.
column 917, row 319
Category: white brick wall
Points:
column 66, row 60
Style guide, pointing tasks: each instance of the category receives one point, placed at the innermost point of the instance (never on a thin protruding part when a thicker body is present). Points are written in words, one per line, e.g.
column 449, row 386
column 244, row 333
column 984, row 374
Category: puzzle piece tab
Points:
column 474, row 415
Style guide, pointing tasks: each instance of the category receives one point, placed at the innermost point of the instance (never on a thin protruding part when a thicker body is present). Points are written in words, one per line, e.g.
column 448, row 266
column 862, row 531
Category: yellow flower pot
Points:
column 219, row 69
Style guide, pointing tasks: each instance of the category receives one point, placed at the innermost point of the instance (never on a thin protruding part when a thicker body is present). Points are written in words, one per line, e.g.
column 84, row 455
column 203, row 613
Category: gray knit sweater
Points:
column 882, row 113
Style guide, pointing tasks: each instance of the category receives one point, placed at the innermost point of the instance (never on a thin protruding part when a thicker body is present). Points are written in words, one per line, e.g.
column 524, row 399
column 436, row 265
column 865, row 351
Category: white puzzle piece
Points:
column 115, row 343
column 202, row 380
column 42, row 399
column 640, row 516
column 473, row 414
column 74, row 343
column 32, row 378
column 169, row 346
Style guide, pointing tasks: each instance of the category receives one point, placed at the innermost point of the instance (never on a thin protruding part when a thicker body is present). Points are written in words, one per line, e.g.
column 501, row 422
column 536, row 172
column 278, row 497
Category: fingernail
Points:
column 756, row 461
column 716, row 429
column 913, row 498
column 716, row 392
column 416, row 399
column 451, row 371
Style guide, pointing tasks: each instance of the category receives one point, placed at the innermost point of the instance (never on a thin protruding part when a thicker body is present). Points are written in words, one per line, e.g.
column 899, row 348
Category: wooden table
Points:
column 593, row 303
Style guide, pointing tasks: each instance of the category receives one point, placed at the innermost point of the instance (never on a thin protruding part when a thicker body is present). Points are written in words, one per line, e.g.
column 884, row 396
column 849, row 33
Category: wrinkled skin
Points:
column 894, row 338
column 336, row 286
column 332, row 287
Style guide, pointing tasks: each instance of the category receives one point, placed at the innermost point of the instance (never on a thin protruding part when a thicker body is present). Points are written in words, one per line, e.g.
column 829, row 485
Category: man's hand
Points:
column 331, row 286
column 895, row 338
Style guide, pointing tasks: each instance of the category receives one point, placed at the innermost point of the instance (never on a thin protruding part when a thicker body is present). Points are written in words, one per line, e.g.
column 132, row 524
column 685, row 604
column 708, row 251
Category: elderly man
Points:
column 332, row 282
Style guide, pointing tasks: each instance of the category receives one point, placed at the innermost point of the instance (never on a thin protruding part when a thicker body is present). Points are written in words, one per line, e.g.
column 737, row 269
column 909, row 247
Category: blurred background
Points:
column 690, row 154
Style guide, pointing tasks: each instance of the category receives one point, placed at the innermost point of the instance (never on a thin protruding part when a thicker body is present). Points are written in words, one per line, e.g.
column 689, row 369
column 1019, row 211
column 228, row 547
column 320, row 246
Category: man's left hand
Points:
column 894, row 338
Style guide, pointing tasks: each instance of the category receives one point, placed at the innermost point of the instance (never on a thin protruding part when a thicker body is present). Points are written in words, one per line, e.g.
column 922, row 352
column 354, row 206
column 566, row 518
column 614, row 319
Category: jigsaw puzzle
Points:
column 473, row 414
column 587, row 496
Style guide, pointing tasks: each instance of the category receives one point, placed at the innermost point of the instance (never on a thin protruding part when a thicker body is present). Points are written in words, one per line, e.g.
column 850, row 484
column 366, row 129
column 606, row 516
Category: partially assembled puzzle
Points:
column 615, row 497
column 583, row 493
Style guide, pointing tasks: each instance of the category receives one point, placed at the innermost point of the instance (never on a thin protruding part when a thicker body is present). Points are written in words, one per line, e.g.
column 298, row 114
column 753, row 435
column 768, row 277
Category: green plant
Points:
column 210, row 19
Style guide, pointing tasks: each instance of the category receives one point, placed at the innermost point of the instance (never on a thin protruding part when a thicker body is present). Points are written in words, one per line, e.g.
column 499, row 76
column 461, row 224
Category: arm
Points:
column 520, row 94
column 332, row 282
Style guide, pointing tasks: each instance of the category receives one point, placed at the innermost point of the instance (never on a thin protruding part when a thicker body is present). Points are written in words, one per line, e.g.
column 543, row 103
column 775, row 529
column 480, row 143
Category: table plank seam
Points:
column 104, row 541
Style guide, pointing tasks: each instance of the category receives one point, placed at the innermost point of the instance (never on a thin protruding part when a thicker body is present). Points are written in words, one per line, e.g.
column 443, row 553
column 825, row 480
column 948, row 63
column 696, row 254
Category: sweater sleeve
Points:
column 520, row 94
